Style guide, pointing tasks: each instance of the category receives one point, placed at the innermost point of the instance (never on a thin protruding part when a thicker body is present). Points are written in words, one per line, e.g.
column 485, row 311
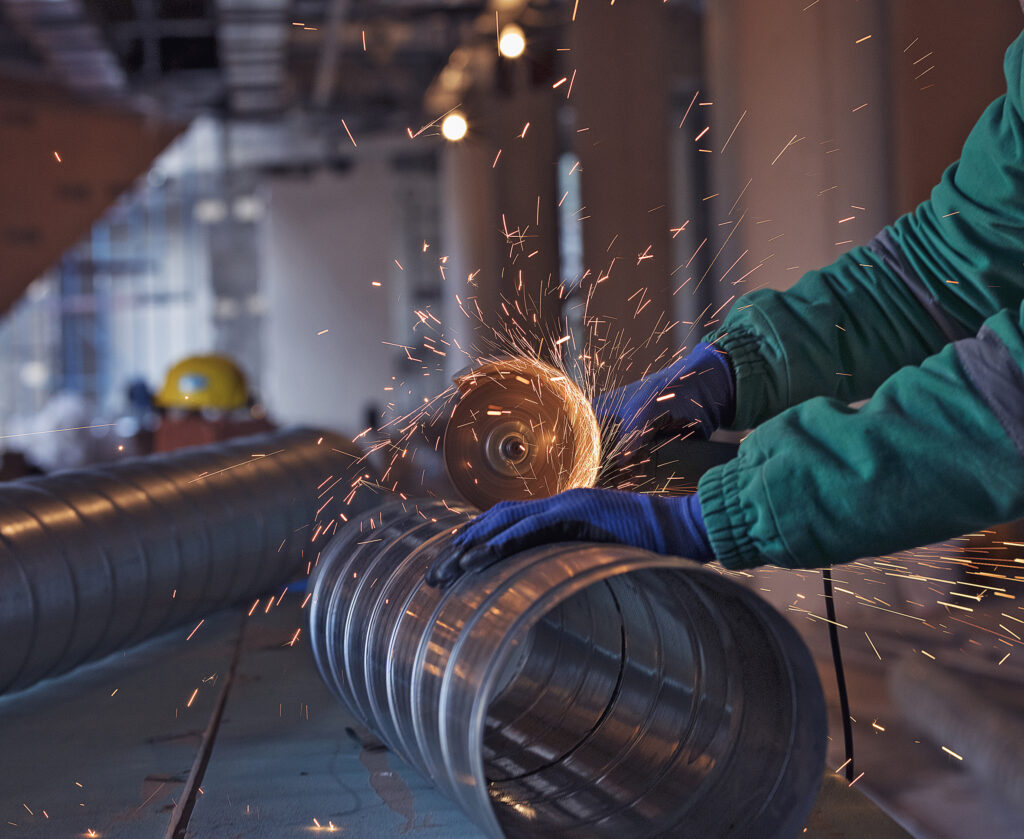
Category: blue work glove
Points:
column 664, row 524
column 697, row 391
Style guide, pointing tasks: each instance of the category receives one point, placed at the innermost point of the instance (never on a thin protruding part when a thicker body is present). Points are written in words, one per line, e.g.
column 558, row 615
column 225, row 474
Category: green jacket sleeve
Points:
column 937, row 452
column 932, row 277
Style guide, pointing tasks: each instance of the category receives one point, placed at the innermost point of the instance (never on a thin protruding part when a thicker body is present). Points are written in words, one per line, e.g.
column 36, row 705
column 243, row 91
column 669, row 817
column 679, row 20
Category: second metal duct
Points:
column 97, row 559
column 575, row 690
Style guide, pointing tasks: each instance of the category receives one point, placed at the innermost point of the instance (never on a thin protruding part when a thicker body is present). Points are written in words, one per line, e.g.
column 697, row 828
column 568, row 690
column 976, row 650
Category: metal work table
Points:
column 227, row 731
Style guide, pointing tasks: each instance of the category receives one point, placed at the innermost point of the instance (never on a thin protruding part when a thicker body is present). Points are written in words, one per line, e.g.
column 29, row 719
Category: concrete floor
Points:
column 232, row 734
column 229, row 734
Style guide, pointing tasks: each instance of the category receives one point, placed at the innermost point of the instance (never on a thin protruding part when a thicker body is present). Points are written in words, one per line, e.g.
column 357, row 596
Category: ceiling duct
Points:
column 70, row 43
column 252, row 38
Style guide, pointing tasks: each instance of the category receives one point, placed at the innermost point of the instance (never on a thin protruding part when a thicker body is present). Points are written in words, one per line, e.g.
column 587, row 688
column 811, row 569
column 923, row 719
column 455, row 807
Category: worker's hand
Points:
column 663, row 524
column 697, row 391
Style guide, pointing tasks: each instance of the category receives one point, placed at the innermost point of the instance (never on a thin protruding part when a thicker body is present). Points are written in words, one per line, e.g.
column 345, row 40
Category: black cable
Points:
column 837, row 658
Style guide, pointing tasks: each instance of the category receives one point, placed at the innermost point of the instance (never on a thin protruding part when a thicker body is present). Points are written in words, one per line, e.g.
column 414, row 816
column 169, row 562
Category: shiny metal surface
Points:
column 520, row 429
column 96, row 559
column 577, row 690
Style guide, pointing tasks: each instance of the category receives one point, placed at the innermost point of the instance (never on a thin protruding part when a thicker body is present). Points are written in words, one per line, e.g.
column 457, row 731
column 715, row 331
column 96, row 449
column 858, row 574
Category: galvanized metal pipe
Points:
column 577, row 690
column 97, row 559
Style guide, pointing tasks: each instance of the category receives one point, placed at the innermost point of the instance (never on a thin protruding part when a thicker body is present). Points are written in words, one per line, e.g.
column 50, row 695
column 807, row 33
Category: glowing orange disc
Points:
column 521, row 429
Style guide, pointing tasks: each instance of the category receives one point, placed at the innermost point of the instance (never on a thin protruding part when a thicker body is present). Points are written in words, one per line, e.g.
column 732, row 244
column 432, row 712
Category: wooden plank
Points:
column 283, row 757
column 108, row 748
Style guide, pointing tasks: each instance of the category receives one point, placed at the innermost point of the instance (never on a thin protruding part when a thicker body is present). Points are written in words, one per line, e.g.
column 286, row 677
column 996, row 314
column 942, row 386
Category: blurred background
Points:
column 221, row 215
column 267, row 179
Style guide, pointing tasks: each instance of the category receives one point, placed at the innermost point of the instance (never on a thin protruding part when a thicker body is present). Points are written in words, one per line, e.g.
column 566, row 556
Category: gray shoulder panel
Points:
column 999, row 379
column 884, row 247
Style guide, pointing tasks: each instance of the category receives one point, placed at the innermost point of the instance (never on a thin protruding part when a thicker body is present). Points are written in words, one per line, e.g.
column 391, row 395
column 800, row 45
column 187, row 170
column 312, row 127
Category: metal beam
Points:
column 327, row 67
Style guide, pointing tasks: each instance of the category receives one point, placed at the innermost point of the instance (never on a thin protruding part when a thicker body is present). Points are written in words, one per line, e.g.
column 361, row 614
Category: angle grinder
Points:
column 521, row 429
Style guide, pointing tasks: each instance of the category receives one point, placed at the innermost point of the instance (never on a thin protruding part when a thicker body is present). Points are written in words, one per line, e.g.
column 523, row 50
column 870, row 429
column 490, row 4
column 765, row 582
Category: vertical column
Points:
column 233, row 254
column 527, row 181
column 471, row 242
column 941, row 79
column 325, row 255
column 850, row 112
column 499, row 223
column 620, row 54
column 797, row 139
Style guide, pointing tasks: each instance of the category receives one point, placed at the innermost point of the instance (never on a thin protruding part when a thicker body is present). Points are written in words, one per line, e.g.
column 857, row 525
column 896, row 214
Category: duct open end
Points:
column 576, row 689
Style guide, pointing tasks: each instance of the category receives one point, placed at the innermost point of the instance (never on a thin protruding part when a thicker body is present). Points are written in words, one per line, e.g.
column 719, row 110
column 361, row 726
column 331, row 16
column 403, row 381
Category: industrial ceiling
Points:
column 369, row 61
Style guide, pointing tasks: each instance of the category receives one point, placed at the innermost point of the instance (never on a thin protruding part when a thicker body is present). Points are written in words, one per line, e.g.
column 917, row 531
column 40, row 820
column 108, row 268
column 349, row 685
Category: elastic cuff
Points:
column 728, row 529
column 743, row 349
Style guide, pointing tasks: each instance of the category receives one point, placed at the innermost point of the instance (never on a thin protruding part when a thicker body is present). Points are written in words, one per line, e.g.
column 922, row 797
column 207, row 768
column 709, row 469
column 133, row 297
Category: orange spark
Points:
column 353, row 139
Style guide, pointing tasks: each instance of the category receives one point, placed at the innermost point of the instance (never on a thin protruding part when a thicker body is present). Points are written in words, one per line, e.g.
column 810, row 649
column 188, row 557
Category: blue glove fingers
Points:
column 491, row 522
column 642, row 422
column 445, row 569
column 442, row 572
column 477, row 559
column 472, row 547
column 518, row 535
column 672, row 525
column 544, row 529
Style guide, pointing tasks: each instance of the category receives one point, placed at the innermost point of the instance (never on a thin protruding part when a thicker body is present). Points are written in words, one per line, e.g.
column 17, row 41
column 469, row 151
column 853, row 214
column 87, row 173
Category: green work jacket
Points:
column 927, row 321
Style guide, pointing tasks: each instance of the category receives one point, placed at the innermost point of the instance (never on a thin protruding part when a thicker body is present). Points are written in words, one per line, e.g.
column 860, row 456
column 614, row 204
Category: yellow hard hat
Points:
column 204, row 381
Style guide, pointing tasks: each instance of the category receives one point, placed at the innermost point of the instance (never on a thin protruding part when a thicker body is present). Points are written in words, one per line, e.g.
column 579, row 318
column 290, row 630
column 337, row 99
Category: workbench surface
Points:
column 225, row 731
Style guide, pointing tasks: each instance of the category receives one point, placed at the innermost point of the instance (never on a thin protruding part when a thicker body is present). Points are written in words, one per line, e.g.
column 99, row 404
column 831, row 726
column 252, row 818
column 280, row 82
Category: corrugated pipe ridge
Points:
column 574, row 690
column 94, row 560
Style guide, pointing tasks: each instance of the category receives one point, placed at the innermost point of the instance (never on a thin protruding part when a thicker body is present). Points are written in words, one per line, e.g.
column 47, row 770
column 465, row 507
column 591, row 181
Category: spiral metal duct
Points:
column 97, row 559
column 575, row 690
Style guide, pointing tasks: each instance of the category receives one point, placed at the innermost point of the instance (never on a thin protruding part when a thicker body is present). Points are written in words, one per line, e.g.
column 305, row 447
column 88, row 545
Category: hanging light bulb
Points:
column 511, row 41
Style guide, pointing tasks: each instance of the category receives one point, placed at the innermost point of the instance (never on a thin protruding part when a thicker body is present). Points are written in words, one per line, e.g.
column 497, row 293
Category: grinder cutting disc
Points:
column 521, row 430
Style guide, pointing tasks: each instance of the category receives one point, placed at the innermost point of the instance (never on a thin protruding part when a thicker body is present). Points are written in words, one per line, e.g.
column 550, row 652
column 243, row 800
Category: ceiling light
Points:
column 454, row 126
column 210, row 210
column 512, row 41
